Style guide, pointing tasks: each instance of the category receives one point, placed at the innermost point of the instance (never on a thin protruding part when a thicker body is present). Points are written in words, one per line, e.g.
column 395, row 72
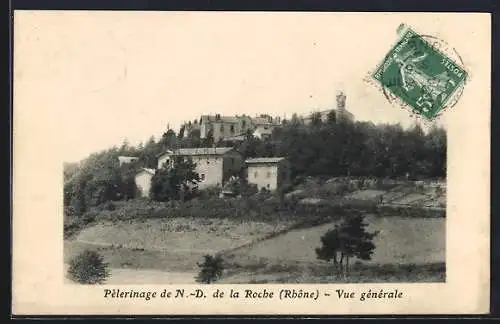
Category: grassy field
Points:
column 120, row 257
column 401, row 240
column 179, row 234
column 407, row 250
column 174, row 244
column 151, row 236
column 120, row 276
column 268, row 271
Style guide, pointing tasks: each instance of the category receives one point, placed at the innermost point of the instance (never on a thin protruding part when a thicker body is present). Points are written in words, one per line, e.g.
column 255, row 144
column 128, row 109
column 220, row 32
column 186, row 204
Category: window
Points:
column 202, row 177
column 222, row 128
column 268, row 174
column 232, row 129
column 255, row 174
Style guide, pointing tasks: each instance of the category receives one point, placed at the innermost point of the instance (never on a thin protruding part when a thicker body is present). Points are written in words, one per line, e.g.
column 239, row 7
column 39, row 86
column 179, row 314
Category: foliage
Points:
column 211, row 269
column 99, row 179
column 347, row 240
column 174, row 183
column 75, row 223
column 88, row 268
column 334, row 148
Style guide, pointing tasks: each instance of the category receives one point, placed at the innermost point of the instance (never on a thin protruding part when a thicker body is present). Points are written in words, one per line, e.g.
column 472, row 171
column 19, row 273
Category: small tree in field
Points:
column 345, row 241
column 211, row 269
column 88, row 268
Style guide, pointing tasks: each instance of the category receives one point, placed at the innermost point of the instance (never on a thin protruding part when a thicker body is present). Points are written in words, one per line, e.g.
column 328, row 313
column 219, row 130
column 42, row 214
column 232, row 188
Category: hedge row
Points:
column 250, row 209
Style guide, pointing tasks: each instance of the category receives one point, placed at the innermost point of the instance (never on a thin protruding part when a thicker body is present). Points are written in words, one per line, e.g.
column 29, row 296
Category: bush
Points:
column 211, row 269
column 210, row 192
column 88, row 268
column 74, row 223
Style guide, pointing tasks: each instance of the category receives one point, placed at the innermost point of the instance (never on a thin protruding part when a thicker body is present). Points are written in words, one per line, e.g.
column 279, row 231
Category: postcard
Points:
column 244, row 163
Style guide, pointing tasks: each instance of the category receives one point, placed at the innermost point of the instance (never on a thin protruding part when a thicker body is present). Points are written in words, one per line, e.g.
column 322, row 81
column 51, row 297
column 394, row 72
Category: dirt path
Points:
column 149, row 277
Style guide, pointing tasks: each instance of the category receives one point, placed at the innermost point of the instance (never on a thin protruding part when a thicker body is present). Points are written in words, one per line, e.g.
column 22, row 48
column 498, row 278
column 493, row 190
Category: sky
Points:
column 110, row 76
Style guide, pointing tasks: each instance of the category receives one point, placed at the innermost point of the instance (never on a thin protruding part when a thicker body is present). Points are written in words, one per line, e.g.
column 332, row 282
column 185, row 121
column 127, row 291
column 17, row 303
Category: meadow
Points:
column 264, row 240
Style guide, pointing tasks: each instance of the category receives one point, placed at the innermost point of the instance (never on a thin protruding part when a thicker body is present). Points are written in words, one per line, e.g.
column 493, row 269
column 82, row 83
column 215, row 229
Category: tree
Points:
column 295, row 121
column 169, row 139
column 331, row 117
column 345, row 241
column 316, row 119
column 172, row 183
column 88, row 268
column 208, row 141
column 211, row 269
column 182, row 130
column 330, row 245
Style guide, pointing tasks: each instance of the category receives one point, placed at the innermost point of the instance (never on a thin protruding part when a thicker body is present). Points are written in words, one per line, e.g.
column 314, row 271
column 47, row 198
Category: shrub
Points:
column 211, row 269
column 250, row 190
column 210, row 192
column 74, row 223
column 88, row 268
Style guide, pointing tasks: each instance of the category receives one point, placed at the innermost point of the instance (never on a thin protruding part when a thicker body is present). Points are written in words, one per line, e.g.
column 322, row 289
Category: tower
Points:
column 341, row 98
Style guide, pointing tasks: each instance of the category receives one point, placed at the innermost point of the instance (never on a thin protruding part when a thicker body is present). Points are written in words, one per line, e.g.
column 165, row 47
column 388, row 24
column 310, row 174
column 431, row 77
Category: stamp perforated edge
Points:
column 397, row 101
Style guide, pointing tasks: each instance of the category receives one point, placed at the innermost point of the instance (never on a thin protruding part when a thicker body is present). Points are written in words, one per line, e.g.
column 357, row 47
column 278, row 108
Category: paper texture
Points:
column 83, row 80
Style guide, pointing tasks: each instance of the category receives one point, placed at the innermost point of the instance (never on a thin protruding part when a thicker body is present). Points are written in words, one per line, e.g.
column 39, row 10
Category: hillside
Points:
column 320, row 149
column 148, row 235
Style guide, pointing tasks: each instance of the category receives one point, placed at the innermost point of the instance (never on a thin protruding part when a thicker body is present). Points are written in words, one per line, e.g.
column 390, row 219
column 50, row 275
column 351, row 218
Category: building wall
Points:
column 263, row 132
column 263, row 175
column 271, row 176
column 243, row 124
column 210, row 170
column 204, row 128
column 222, row 130
column 213, row 169
column 143, row 182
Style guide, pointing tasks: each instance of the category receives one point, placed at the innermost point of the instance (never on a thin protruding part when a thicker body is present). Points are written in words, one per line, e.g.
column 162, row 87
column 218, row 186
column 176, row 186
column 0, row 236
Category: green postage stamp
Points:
column 418, row 74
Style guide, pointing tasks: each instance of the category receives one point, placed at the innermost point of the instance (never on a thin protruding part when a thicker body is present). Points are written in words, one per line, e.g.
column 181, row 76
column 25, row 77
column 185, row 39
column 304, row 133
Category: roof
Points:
column 200, row 151
column 223, row 119
column 264, row 160
column 150, row 171
column 261, row 121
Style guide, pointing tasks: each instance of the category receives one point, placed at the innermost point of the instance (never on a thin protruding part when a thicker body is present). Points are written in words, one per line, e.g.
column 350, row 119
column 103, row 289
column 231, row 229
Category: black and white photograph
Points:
column 252, row 149
column 261, row 164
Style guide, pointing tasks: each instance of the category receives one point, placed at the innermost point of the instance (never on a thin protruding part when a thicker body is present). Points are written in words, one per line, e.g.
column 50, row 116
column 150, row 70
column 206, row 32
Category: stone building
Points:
column 269, row 173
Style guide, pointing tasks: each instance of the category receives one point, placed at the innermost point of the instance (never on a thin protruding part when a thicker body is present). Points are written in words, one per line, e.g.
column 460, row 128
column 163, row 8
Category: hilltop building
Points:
column 263, row 132
column 341, row 112
column 189, row 127
column 227, row 127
